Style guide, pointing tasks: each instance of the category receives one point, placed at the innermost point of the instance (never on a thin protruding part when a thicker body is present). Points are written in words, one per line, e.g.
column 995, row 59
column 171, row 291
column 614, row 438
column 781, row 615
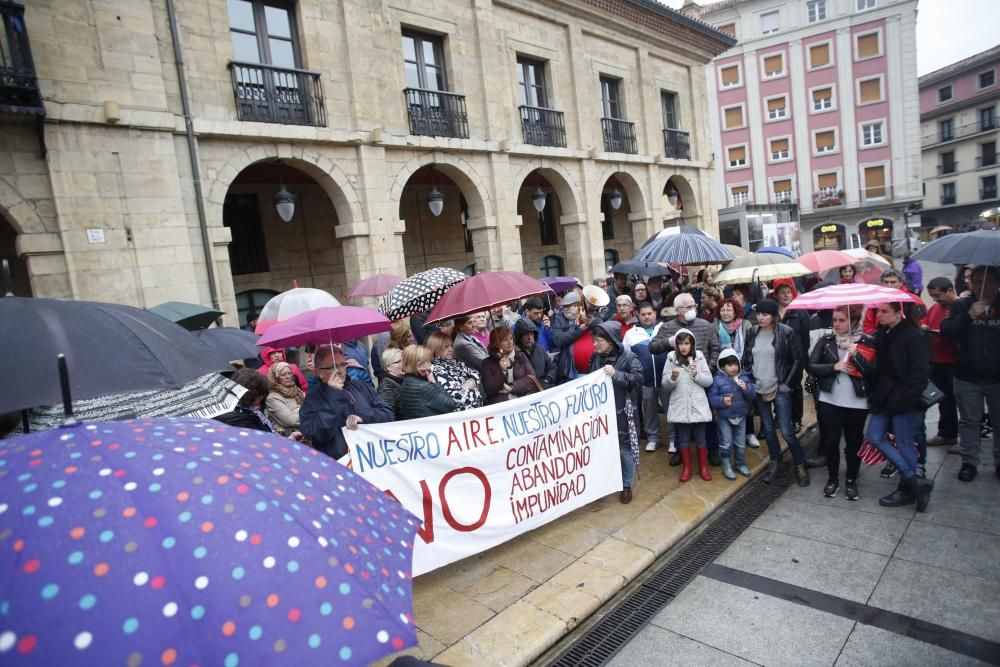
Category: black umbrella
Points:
column 230, row 342
column 109, row 348
column 980, row 248
column 191, row 316
column 647, row 269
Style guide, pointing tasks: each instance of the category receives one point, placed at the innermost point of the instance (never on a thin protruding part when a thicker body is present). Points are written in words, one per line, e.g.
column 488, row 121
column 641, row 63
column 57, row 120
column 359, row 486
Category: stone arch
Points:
column 560, row 179
column 469, row 182
column 19, row 212
column 687, row 195
column 637, row 200
column 330, row 177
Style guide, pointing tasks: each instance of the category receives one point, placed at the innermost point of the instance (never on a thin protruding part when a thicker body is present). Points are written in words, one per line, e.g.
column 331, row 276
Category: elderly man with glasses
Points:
column 337, row 402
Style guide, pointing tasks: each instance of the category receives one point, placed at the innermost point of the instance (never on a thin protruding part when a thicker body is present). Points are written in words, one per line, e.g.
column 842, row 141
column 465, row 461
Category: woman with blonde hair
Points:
column 391, row 383
column 420, row 394
column 284, row 397
column 458, row 379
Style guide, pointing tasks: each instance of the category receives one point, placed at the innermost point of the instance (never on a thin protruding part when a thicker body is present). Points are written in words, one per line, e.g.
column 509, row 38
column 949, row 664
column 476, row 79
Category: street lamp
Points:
column 435, row 200
column 672, row 194
column 284, row 203
column 616, row 199
column 538, row 200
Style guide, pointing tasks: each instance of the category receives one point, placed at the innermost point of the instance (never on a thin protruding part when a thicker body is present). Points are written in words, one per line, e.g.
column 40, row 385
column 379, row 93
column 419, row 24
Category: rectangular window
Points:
column 263, row 32
column 946, row 162
column 946, row 129
column 740, row 194
column 423, row 62
column 729, row 29
column 871, row 134
column 826, row 141
column 944, row 93
column 774, row 65
column 737, row 156
column 779, row 149
column 988, row 187
column 816, row 10
column 819, row 55
column 610, row 97
column 987, row 119
column 668, row 104
column 988, row 154
column 770, row 22
column 734, row 118
column 531, row 82
column 783, row 190
column 870, row 91
column 776, row 108
column 947, row 194
column 730, row 76
column 868, row 46
column 827, row 181
column 248, row 248
column 864, row 5
column 874, row 182
column 822, row 99
column 987, row 78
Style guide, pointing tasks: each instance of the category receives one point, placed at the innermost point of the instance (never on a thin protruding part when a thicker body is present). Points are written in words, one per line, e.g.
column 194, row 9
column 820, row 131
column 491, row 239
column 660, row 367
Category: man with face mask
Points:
column 566, row 329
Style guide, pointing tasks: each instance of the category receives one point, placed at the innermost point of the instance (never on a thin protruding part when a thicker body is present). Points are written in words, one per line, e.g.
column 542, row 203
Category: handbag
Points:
column 931, row 395
column 812, row 385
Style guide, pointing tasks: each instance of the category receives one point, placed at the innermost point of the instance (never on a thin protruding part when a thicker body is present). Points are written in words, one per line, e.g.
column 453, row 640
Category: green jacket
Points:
column 420, row 398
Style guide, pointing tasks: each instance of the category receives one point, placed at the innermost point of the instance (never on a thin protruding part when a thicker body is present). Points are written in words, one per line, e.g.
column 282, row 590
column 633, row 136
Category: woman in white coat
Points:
column 686, row 376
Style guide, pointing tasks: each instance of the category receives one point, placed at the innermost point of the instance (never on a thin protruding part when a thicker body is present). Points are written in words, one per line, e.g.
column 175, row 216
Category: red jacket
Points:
column 265, row 356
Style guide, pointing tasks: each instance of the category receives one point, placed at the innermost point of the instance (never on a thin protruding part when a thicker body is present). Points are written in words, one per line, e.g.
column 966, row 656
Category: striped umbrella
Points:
column 828, row 298
column 683, row 245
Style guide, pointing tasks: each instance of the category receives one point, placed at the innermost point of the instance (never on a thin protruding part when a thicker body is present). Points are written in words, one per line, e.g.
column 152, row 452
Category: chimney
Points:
column 692, row 9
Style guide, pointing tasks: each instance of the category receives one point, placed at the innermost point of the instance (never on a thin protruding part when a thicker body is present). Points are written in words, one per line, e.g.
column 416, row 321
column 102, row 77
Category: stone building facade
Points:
column 97, row 186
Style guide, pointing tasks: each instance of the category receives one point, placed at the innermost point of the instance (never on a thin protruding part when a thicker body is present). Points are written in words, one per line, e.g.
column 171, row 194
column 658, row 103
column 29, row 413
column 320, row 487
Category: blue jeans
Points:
column 628, row 464
column 732, row 437
column 782, row 405
column 904, row 427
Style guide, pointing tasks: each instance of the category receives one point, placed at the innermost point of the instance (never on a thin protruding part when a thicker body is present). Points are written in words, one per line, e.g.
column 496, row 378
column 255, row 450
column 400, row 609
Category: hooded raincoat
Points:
column 688, row 400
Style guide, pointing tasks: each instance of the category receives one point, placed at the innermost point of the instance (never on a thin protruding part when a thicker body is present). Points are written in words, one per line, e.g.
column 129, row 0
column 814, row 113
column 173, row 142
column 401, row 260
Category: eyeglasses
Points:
column 325, row 368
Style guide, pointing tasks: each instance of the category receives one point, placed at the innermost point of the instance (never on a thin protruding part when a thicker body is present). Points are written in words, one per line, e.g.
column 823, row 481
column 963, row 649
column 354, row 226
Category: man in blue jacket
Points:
column 338, row 401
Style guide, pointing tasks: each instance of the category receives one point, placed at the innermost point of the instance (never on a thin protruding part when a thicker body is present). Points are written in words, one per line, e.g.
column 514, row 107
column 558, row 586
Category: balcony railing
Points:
column 988, row 193
column 783, row 197
column 676, row 144
column 740, row 198
column 947, row 200
column 435, row 113
column 825, row 197
column 543, row 127
column 18, row 84
column 619, row 136
column 986, row 161
column 268, row 94
column 877, row 192
column 947, row 168
column 960, row 132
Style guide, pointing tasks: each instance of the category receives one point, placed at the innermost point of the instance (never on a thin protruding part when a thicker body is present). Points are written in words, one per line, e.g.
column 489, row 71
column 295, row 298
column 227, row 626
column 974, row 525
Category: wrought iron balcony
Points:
column 936, row 136
column 619, row 136
column 676, row 144
column 989, row 192
column 947, row 167
column 543, row 127
column 828, row 197
column 268, row 94
column 784, row 197
column 435, row 113
column 947, row 200
column 18, row 84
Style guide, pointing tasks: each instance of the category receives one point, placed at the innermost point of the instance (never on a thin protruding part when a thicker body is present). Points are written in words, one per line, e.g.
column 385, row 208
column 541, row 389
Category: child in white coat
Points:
column 686, row 376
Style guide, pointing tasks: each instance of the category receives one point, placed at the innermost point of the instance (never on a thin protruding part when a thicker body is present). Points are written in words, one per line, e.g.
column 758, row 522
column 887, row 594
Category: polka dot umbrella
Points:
column 186, row 542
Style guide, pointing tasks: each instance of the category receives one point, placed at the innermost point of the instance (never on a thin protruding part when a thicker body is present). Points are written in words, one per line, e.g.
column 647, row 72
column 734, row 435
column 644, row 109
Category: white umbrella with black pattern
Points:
column 419, row 293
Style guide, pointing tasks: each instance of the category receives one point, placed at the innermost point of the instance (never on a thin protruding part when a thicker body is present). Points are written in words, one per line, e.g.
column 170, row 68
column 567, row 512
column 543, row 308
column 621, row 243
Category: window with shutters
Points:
column 944, row 94
column 816, row 10
column 777, row 108
column 739, row 195
column 819, row 56
column 872, row 134
column 875, row 182
column 988, row 187
column 729, row 76
column 770, row 22
column 987, row 79
column 737, row 156
column 870, row 90
column 729, row 29
column 782, row 189
column 868, row 45
column 733, row 117
column 780, row 149
column 774, row 66
column 987, row 154
column 822, row 98
column 827, row 181
column 825, row 141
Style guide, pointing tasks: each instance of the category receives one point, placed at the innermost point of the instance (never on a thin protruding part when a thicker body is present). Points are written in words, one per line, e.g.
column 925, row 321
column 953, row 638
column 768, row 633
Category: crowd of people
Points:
column 728, row 366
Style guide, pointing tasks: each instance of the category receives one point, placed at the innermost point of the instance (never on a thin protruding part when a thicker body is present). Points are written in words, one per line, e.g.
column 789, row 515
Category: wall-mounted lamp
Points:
column 673, row 196
column 538, row 200
column 616, row 199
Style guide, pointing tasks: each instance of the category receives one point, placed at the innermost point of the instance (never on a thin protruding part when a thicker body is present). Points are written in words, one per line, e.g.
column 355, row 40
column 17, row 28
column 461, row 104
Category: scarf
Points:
column 274, row 384
column 844, row 341
column 731, row 334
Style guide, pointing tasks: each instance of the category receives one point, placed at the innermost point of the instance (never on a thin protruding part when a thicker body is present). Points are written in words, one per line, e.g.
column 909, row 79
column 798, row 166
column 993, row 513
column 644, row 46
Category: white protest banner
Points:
column 480, row 477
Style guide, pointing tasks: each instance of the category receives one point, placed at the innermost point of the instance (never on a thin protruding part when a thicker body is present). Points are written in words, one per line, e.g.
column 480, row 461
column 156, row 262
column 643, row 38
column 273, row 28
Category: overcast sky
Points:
column 947, row 30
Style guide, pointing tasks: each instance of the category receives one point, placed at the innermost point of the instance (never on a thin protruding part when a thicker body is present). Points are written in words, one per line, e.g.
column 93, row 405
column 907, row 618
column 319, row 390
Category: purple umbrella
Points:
column 337, row 324
column 181, row 542
column 559, row 284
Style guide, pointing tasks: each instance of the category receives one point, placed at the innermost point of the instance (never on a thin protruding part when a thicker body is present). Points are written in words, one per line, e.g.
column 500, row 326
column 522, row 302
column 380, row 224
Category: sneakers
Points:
column 773, row 473
column 831, row 487
column 888, row 471
column 672, row 447
column 940, row 441
column 752, row 441
column 851, row 490
column 967, row 473
column 727, row 469
column 651, row 446
column 986, row 432
column 802, row 475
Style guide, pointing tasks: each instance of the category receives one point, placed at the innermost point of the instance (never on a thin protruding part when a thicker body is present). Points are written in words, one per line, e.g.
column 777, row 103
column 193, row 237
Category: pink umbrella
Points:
column 483, row 291
column 828, row 298
column 334, row 324
column 824, row 260
column 378, row 285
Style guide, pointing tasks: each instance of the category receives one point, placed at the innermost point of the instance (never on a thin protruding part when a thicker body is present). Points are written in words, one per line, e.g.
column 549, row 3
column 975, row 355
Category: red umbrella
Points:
column 378, row 285
column 335, row 324
column 824, row 260
column 483, row 291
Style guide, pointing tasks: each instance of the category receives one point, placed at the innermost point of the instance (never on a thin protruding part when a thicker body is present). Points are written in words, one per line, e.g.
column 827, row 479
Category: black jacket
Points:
column 898, row 375
column 325, row 412
column 798, row 320
column 540, row 360
column 824, row 357
column 978, row 357
column 627, row 380
column 787, row 354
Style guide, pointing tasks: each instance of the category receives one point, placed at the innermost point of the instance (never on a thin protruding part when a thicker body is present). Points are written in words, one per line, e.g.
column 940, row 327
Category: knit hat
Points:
column 767, row 306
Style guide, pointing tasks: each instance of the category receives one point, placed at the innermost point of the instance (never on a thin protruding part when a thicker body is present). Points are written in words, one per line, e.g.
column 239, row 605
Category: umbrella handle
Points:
column 67, row 400
column 8, row 281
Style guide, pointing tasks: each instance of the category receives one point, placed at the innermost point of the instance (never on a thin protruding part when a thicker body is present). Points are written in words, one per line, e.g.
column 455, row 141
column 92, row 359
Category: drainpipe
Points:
column 193, row 155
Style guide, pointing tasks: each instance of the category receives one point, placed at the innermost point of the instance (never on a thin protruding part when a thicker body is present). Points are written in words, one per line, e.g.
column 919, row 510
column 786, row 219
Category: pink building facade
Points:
column 817, row 121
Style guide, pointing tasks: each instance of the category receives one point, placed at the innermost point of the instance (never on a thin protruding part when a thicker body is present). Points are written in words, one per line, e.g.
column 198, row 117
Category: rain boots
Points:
column 727, row 465
column 686, row 461
column 740, row 459
column 703, row 464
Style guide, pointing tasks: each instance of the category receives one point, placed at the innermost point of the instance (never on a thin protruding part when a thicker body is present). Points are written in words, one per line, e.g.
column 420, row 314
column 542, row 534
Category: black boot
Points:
column 903, row 495
column 675, row 459
column 922, row 490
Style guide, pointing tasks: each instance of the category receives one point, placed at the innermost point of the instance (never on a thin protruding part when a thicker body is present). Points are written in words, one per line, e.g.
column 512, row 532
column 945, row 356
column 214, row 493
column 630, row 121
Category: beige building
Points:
column 360, row 110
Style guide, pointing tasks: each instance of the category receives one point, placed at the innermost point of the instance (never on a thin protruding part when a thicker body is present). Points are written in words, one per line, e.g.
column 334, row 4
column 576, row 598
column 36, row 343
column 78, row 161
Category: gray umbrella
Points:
column 980, row 248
